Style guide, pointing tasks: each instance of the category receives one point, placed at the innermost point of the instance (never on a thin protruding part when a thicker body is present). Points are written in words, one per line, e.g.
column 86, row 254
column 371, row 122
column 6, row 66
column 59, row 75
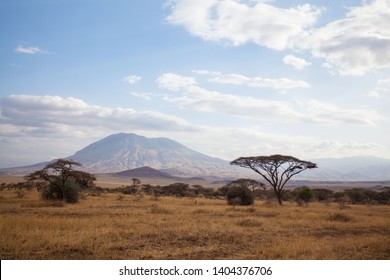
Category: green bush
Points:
column 355, row 195
column 239, row 196
column 323, row 194
column 177, row 189
column 306, row 195
column 288, row 195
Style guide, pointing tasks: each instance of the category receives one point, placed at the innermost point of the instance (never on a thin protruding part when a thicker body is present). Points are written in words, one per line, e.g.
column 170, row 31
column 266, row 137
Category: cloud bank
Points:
column 237, row 23
column 62, row 125
column 23, row 115
column 354, row 45
column 188, row 94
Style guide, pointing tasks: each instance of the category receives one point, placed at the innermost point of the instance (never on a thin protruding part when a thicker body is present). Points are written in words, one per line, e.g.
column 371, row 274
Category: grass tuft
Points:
column 155, row 209
column 340, row 217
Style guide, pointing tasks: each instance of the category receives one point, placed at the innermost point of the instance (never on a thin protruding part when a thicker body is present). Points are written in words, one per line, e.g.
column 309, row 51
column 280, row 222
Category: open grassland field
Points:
column 116, row 226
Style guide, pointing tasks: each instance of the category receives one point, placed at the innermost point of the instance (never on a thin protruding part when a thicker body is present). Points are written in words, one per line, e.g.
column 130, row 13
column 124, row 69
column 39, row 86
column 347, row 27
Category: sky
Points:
column 227, row 78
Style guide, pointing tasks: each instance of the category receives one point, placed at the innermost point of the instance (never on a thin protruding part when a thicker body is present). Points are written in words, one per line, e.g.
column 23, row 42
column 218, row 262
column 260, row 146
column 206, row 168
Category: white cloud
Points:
column 384, row 85
column 132, row 79
column 328, row 113
column 28, row 50
column 277, row 84
column 357, row 44
column 194, row 97
column 381, row 90
column 253, row 141
column 145, row 96
column 374, row 94
column 54, row 115
column 206, row 72
column 354, row 45
column 237, row 23
column 296, row 62
column 197, row 98
column 331, row 148
column 175, row 82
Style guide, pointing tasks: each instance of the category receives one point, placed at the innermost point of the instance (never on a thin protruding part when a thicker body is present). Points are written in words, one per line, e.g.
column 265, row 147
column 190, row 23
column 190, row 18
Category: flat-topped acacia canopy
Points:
column 275, row 169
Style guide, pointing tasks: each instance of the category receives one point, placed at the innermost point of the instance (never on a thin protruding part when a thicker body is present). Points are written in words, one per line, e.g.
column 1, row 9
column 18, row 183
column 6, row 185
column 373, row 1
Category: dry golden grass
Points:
column 105, row 227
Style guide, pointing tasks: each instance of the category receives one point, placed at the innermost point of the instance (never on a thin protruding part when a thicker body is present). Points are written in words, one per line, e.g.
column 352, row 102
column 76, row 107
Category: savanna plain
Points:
column 112, row 226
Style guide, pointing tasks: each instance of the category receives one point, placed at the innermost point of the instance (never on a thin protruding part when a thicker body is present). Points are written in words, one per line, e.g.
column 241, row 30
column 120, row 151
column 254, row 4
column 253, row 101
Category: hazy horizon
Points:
column 342, row 160
column 225, row 78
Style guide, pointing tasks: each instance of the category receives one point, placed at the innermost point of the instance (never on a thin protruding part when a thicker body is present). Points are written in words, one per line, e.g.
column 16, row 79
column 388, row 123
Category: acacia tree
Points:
column 275, row 169
column 61, row 175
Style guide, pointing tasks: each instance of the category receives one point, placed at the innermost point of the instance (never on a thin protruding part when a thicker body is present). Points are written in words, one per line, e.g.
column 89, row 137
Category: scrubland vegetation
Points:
column 116, row 225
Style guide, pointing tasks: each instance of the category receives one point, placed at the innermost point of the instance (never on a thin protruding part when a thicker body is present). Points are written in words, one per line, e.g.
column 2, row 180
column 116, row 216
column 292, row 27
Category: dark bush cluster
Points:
column 23, row 186
column 239, row 196
column 305, row 195
column 70, row 193
column 187, row 190
column 238, row 192
column 235, row 195
column 354, row 196
column 242, row 194
column 175, row 189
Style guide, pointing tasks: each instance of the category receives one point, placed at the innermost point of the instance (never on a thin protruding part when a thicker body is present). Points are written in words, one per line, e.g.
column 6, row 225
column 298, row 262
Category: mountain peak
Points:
column 124, row 151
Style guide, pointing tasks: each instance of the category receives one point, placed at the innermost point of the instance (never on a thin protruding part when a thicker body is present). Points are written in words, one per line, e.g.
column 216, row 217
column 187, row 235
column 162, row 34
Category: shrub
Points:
column 305, row 195
column 177, row 189
column 222, row 191
column 239, row 196
column 355, row 195
column 323, row 194
column 288, row 195
column 70, row 192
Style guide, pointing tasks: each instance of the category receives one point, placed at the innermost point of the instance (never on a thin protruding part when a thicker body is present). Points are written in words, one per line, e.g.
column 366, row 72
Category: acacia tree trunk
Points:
column 278, row 194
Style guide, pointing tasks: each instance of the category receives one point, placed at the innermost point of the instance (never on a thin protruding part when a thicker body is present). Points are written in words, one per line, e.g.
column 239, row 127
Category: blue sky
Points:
column 227, row 78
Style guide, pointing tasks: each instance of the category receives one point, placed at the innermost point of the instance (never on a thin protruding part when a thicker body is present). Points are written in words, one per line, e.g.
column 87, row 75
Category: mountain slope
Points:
column 123, row 151
column 22, row 170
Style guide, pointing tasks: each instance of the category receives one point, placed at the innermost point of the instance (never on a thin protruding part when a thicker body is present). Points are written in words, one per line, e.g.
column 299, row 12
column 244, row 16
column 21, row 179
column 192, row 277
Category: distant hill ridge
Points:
column 145, row 171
